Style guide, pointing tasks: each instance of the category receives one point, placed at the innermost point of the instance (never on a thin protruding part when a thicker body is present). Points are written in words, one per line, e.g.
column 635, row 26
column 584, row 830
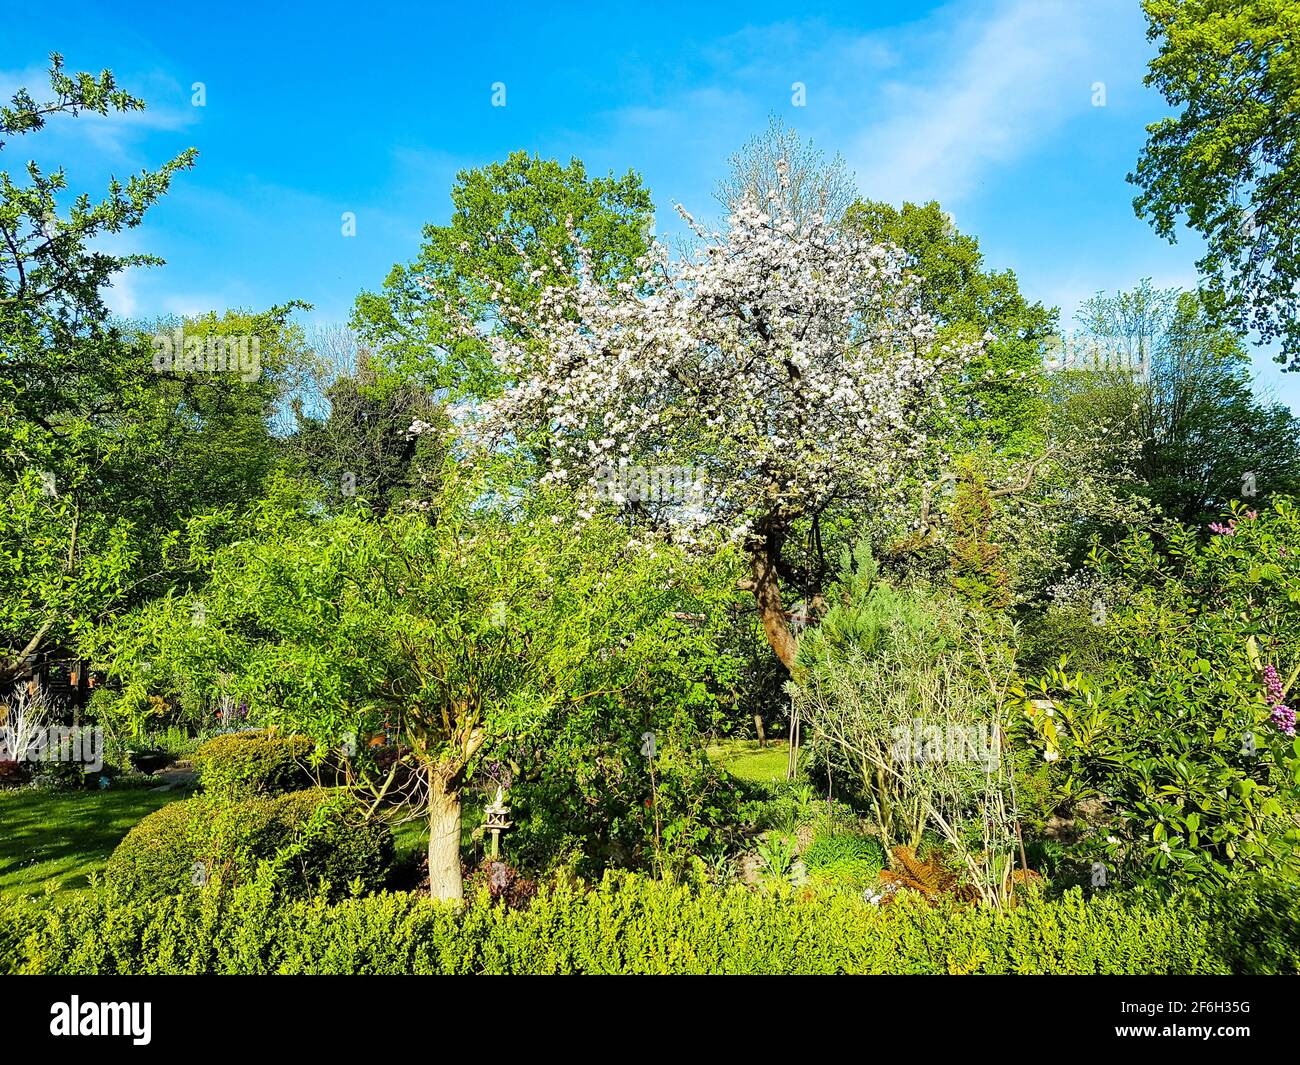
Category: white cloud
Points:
column 122, row 296
column 926, row 110
column 992, row 87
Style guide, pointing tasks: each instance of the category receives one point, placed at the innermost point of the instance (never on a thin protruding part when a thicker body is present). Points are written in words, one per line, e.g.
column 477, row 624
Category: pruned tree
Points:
column 468, row 631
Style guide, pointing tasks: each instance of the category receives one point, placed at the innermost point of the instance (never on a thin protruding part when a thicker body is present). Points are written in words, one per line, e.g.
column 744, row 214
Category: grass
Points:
column 745, row 760
column 411, row 840
column 64, row 836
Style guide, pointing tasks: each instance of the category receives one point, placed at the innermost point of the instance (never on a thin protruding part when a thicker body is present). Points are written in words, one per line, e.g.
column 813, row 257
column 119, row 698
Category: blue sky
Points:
column 314, row 110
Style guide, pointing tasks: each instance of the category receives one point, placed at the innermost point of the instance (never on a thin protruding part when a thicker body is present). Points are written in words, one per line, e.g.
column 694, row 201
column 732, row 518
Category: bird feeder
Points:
column 496, row 820
column 799, row 618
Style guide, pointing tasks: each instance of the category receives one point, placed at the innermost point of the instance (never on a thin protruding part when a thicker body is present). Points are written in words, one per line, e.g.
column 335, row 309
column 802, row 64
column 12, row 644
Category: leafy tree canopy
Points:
column 998, row 395
column 1229, row 161
column 513, row 232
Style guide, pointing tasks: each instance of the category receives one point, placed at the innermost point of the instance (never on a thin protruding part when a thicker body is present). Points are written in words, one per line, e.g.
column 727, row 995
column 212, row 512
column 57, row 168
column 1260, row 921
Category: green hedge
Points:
column 261, row 762
column 313, row 836
column 632, row 925
column 156, row 856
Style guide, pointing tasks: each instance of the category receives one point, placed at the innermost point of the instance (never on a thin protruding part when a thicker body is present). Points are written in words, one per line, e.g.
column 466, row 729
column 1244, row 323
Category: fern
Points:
column 930, row 878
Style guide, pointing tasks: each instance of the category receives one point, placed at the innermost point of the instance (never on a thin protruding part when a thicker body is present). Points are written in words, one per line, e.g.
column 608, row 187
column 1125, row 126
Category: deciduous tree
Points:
column 791, row 365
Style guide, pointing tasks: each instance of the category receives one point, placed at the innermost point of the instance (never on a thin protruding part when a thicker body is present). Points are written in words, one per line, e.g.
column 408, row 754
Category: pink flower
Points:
column 1284, row 718
column 1273, row 683
column 1224, row 530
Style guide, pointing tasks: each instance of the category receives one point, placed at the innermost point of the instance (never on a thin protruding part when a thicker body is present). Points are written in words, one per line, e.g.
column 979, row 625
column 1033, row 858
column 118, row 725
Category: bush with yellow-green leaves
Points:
column 630, row 924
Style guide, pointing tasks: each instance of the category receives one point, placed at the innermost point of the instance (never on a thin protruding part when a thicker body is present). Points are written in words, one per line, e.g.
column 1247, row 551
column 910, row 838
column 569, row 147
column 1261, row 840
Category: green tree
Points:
column 1229, row 161
column 187, row 440
column 468, row 630
column 516, row 224
column 66, row 370
column 1167, row 374
column 60, row 354
column 61, row 566
column 352, row 429
column 997, row 398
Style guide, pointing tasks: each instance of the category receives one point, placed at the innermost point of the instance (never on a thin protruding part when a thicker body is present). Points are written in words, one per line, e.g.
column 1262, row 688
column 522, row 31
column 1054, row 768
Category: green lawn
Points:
column 745, row 760
column 65, row 836
column 411, row 839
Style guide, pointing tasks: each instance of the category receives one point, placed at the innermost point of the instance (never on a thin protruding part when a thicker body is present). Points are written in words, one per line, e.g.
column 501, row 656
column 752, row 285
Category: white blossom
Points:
column 793, row 366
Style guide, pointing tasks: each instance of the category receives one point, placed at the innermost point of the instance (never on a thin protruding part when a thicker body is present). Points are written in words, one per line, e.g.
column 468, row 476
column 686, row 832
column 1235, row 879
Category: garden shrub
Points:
column 629, row 924
column 306, row 836
column 18, row 920
column 899, row 689
column 1180, row 733
column 60, row 776
column 262, row 762
column 327, row 838
column 592, row 794
column 156, row 856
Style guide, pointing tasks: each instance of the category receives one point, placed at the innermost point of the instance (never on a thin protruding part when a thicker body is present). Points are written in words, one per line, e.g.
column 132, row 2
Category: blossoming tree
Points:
column 790, row 365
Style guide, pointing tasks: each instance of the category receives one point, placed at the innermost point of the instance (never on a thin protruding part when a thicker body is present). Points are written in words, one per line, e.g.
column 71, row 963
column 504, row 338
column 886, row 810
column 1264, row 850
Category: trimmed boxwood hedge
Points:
column 314, row 836
column 629, row 924
column 260, row 762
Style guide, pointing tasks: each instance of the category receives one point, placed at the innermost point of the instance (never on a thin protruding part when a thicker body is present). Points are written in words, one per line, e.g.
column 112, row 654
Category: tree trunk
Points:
column 758, row 727
column 792, row 756
column 767, row 593
column 12, row 668
column 444, row 838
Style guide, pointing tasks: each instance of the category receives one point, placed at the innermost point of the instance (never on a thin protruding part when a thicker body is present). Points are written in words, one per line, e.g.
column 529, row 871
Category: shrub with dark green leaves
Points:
column 307, row 837
column 1179, row 734
column 261, row 762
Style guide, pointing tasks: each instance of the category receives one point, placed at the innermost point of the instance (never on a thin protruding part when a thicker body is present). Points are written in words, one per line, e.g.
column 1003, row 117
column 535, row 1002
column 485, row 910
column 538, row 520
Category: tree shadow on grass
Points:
column 64, row 836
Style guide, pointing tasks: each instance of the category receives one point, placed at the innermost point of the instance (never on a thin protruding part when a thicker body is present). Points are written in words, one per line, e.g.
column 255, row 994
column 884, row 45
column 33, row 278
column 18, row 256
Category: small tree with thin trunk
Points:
column 787, row 365
column 452, row 630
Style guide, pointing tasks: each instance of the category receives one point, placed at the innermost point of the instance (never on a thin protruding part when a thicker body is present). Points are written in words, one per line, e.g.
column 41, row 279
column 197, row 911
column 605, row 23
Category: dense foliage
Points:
column 1174, row 722
column 632, row 925
column 311, row 841
column 256, row 762
column 1227, row 162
